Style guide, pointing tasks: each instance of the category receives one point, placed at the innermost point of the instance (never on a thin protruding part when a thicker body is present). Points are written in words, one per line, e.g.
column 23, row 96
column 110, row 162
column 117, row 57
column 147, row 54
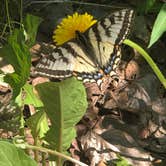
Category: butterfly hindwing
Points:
column 55, row 65
column 64, row 60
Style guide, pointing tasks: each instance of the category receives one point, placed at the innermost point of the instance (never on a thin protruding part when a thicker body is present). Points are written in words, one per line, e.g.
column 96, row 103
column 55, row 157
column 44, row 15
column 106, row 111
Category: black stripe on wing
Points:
column 73, row 51
column 113, row 28
column 59, row 74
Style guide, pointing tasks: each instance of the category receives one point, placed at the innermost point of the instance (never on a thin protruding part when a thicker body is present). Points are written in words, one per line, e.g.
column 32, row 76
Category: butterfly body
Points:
column 92, row 54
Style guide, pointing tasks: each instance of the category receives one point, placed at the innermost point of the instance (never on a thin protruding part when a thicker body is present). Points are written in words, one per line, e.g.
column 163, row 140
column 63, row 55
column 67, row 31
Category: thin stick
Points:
column 7, row 13
column 73, row 2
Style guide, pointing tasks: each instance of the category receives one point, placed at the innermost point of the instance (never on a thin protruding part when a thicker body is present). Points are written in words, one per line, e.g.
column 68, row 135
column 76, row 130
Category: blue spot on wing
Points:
column 97, row 76
column 108, row 69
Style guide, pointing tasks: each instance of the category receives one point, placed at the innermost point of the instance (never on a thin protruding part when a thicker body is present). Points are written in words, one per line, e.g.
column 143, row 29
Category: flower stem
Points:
column 148, row 59
column 53, row 152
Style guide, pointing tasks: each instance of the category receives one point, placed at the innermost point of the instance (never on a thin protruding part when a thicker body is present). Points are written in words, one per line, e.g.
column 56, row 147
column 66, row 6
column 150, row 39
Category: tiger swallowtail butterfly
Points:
column 92, row 54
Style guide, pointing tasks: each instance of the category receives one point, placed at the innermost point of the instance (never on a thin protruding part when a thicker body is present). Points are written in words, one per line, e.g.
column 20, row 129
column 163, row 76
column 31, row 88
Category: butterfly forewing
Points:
column 109, row 33
column 82, row 63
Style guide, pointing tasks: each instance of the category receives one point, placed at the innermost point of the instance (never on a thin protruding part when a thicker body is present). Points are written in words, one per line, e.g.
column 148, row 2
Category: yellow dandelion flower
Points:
column 68, row 26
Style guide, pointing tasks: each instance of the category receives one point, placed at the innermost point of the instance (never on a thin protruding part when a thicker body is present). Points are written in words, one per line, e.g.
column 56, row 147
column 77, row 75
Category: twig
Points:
column 8, row 17
column 74, row 2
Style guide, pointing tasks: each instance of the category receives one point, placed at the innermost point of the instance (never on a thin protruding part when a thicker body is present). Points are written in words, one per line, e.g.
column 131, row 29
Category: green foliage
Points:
column 27, row 96
column 31, row 24
column 11, row 155
column 159, row 26
column 17, row 54
column 2, row 81
column 65, row 103
column 38, row 124
column 31, row 97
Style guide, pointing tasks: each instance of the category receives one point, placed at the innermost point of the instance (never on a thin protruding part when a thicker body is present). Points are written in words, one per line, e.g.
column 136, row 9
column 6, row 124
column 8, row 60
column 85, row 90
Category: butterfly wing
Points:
column 65, row 61
column 107, row 35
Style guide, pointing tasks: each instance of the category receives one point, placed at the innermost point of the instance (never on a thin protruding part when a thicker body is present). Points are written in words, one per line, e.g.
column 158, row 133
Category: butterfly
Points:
column 92, row 54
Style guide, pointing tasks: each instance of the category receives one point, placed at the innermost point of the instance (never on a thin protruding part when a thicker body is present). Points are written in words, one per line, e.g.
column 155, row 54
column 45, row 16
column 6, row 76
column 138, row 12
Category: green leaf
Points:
column 122, row 162
column 12, row 156
column 159, row 26
column 31, row 24
column 2, row 81
column 31, row 97
column 65, row 103
column 38, row 124
column 19, row 99
column 17, row 54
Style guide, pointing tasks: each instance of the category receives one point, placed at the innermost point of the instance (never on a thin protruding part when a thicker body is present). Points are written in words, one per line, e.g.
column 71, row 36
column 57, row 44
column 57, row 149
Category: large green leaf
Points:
column 27, row 96
column 31, row 24
column 10, row 155
column 159, row 26
column 65, row 103
column 38, row 124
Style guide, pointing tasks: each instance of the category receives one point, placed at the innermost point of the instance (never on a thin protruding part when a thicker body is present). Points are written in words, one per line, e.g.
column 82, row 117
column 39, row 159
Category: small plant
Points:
column 64, row 111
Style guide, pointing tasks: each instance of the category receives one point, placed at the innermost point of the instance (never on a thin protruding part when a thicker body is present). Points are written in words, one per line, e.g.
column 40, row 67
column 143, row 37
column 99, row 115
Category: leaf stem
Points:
column 53, row 152
column 36, row 153
column 3, row 31
column 22, row 122
column 148, row 59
